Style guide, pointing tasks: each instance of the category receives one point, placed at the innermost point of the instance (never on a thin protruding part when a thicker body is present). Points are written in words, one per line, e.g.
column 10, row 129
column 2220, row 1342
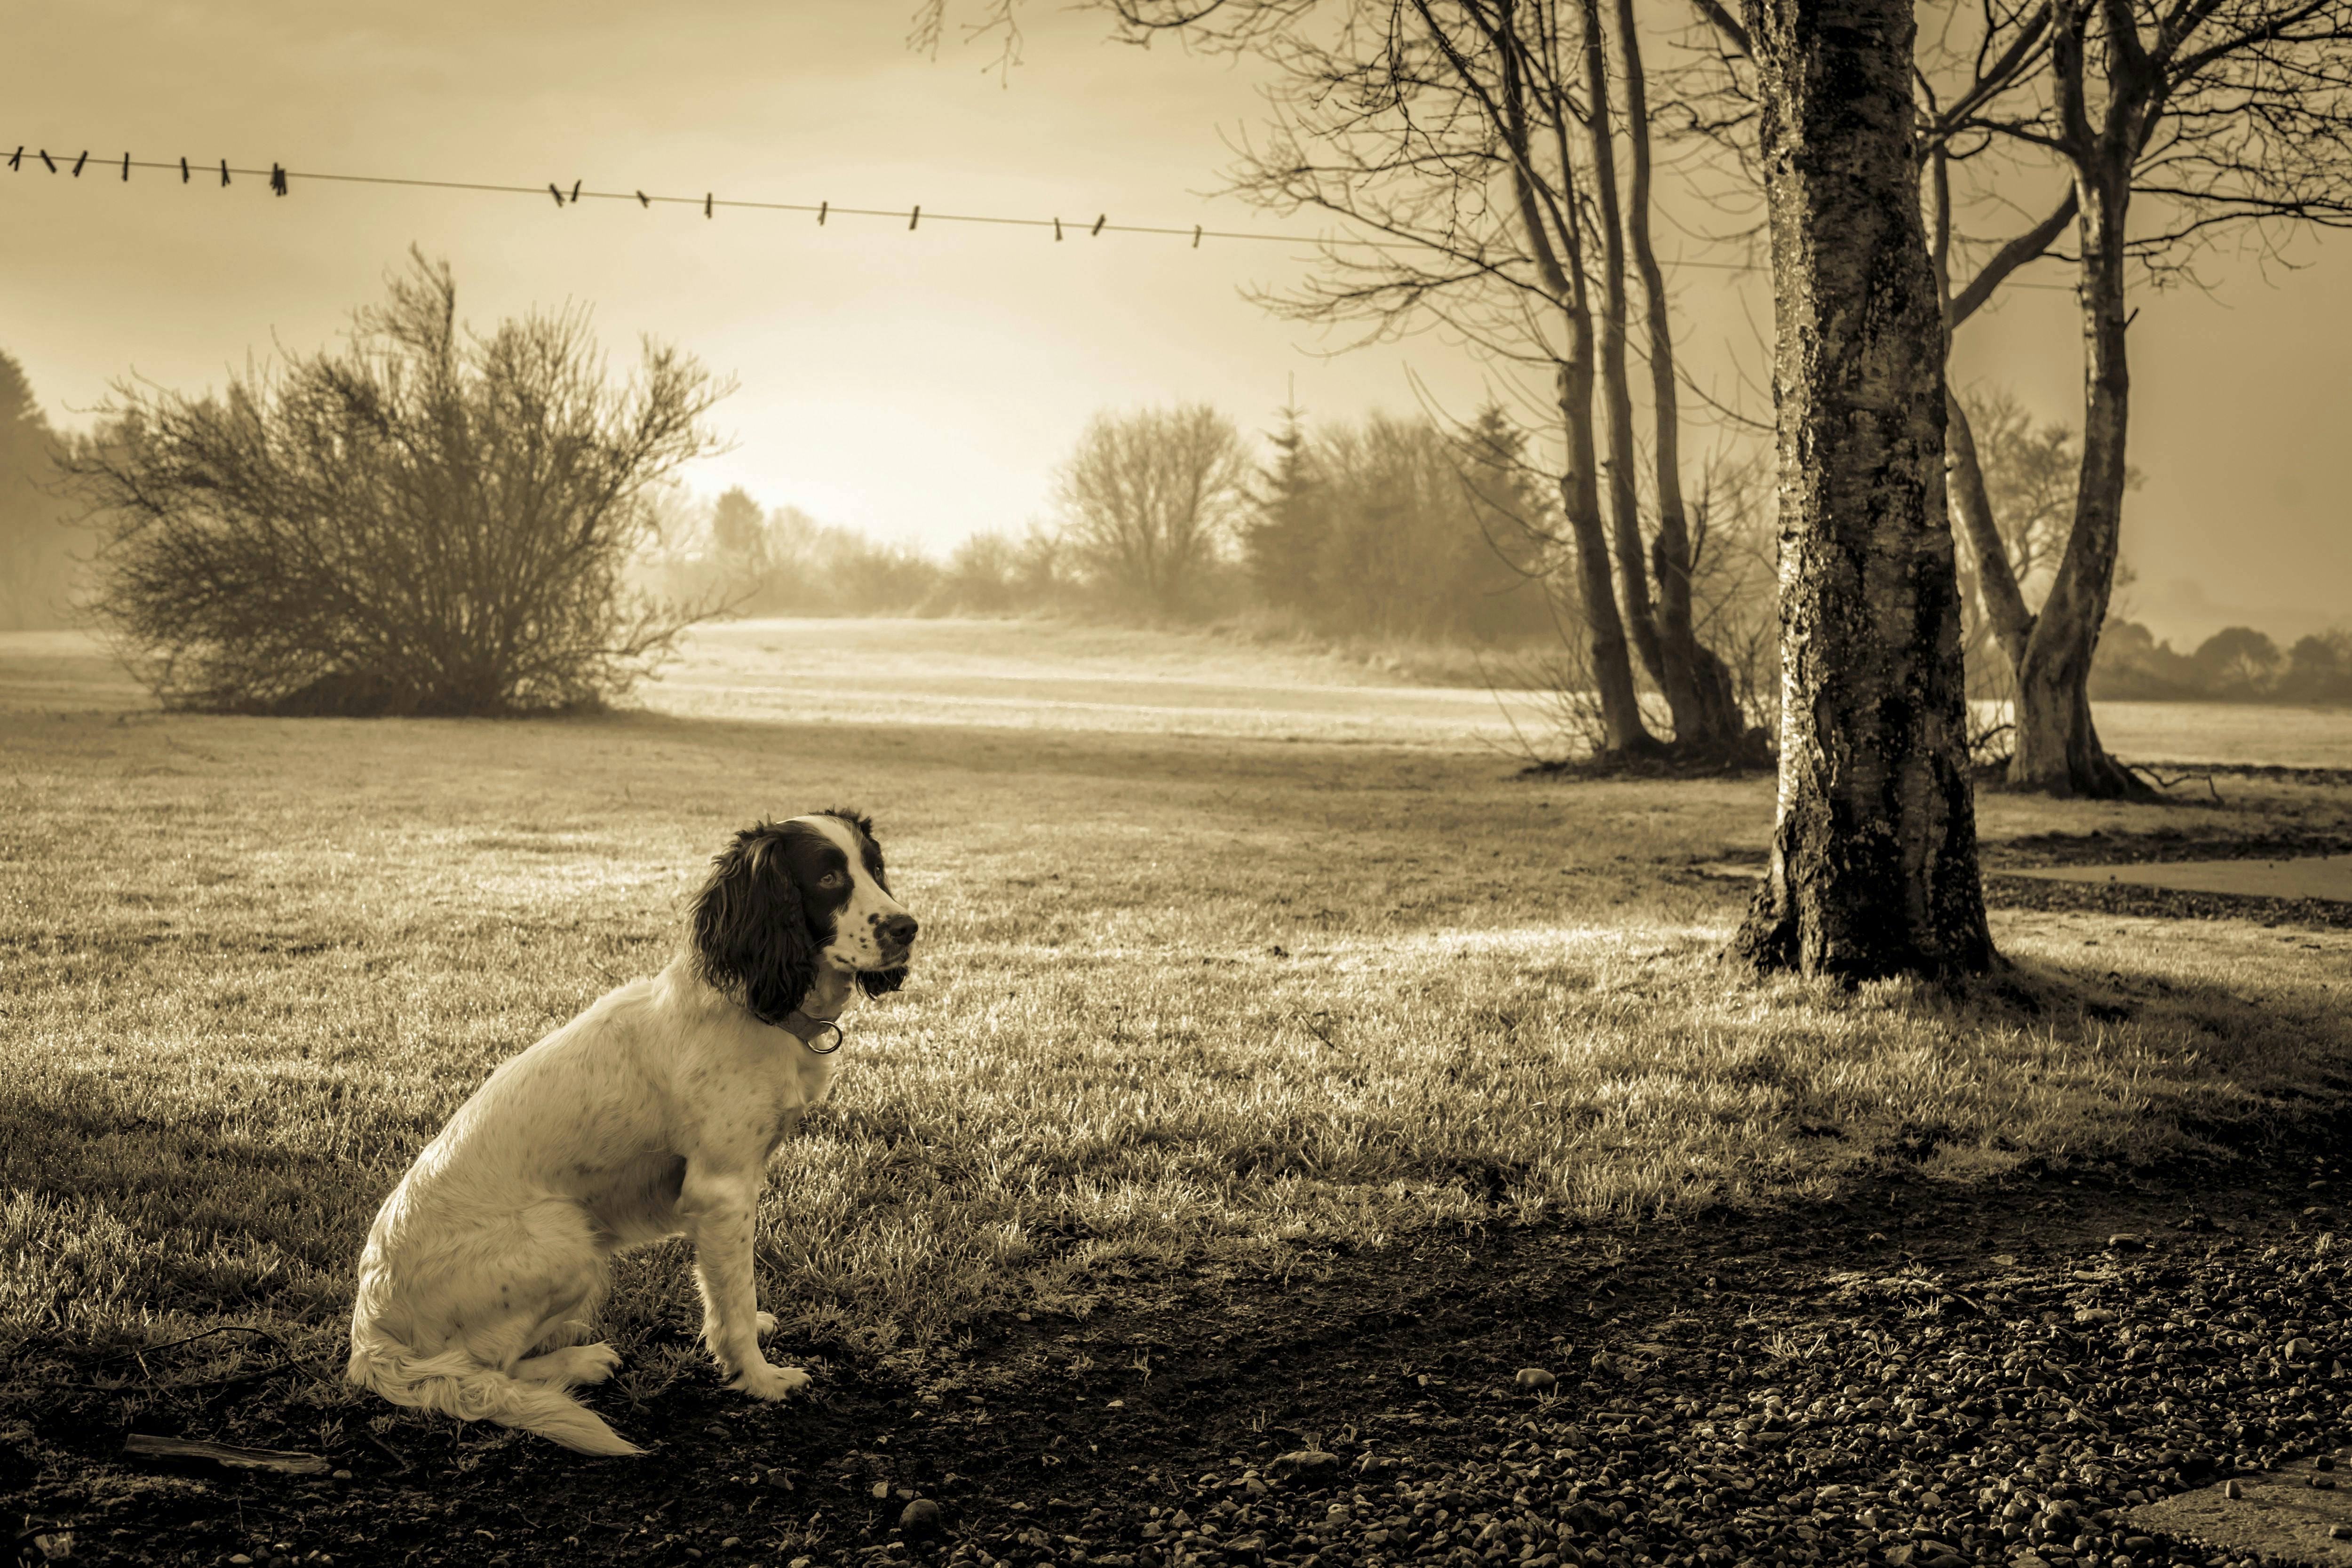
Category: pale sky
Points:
column 923, row 385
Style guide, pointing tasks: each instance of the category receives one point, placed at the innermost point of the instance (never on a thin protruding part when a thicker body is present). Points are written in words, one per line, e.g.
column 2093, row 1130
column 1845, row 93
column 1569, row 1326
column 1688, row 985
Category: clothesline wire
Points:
column 280, row 181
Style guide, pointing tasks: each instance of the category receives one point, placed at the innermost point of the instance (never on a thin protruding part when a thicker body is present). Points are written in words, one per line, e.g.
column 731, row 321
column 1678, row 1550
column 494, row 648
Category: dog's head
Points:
column 785, row 898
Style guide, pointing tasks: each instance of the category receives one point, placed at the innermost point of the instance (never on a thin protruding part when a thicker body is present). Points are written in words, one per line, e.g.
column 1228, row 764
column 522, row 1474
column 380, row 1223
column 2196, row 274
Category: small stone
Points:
column 2340, row 1531
column 1305, row 1463
column 2300, row 1349
column 2233, row 1490
column 2126, row 1241
column 730, row 1544
column 342, row 1475
column 1535, row 1380
column 2324, row 1462
column 881, row 1491
column 241, row 1560
column 919, row 1519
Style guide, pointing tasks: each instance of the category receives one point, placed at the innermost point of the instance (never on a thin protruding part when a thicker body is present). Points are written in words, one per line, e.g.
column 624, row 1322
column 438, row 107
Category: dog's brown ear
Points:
column 750, row 936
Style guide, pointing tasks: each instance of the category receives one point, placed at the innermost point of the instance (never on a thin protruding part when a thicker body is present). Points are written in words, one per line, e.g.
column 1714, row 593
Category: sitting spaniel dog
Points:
column 650, row 1115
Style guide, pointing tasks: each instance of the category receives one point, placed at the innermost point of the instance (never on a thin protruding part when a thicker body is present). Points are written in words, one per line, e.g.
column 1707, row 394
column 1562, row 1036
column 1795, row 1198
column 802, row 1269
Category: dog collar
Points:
column 806, row 1030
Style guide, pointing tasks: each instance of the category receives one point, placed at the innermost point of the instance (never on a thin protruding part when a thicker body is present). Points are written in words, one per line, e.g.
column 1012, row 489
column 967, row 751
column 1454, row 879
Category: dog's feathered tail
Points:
column 453, row 1383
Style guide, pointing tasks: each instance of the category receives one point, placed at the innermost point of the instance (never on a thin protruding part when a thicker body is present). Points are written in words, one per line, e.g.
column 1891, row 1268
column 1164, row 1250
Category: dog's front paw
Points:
column 761, row 1381
column 767, row 1323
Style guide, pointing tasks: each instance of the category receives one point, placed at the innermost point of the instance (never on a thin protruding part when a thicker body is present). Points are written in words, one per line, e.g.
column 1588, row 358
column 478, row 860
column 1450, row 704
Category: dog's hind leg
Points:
column 571, row 1366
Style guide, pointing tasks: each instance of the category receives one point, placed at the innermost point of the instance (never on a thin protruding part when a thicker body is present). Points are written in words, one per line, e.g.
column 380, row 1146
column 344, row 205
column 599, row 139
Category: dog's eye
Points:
column 834, row 880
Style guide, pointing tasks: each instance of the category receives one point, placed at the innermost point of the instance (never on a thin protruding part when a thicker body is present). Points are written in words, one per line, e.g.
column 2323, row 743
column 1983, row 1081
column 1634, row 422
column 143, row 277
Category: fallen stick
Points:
column 285, row 1464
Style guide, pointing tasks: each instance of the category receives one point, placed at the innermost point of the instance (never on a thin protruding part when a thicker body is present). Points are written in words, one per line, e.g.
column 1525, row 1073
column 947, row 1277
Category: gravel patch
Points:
column 1901, row 1417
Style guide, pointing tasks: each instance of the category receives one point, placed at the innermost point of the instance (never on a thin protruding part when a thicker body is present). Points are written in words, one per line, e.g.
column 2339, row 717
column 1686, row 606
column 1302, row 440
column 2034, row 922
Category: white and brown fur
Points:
column 650, row 1115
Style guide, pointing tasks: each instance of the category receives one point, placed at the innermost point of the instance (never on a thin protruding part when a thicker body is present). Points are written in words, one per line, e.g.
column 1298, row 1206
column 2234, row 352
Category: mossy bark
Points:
column 1873, row 867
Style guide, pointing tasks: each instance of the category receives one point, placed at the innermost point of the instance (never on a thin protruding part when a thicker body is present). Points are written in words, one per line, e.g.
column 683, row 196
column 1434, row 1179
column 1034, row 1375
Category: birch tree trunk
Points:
column 1874, row 866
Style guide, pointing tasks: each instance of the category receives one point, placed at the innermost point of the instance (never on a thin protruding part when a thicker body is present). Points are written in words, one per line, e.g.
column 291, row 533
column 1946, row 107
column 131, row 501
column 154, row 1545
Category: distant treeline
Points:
column 1382, row 528
column 37, row 550
column 1388, row 531
column 2236, row 663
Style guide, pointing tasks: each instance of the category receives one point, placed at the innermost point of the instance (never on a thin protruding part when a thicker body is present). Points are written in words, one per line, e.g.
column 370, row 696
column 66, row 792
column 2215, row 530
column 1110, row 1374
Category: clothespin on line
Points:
column 1097, row 230
column 224, row 170
column 822, row 209
column 277, row 179
column 556, row 192
column 915, row 216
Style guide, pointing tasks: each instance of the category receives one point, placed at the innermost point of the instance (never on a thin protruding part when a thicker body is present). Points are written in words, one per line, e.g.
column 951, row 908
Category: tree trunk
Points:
column 1709, row 719
column 1563, row 273
column 2010, row 621
column 2058, row 748
column 1580, row 495
column 1616, row 389
column 2012, row 624
column 1873, row 867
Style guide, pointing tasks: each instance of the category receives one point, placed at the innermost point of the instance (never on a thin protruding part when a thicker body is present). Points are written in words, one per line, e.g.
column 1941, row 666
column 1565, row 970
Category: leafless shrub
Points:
column 429, row 520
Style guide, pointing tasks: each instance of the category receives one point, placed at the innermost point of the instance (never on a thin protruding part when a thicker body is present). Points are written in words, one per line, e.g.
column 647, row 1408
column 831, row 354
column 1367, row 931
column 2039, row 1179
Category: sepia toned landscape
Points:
column 1269, row 783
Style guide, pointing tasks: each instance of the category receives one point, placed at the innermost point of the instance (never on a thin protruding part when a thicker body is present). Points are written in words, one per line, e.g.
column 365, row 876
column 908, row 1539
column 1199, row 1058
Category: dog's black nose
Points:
column 899, row 929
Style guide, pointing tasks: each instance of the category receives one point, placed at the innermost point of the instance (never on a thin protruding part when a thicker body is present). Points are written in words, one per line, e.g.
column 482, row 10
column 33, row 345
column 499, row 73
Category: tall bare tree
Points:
column 2217, row 115
column 2221, row 112
column 1706, row 691
column 1874, row 866
column 1479, row 140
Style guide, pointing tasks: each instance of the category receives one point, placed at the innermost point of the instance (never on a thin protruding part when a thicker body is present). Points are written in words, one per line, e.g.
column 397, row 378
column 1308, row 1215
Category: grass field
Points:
column 1196, row 994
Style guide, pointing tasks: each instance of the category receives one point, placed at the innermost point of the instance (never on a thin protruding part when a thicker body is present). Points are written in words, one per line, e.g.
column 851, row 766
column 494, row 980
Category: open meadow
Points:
column 1231, row 963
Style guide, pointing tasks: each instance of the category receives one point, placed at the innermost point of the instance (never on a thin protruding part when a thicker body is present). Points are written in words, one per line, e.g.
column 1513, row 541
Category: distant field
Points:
column 1219, row 964
column 1040, row 675
column 2272, row 736
column 1043, row 676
